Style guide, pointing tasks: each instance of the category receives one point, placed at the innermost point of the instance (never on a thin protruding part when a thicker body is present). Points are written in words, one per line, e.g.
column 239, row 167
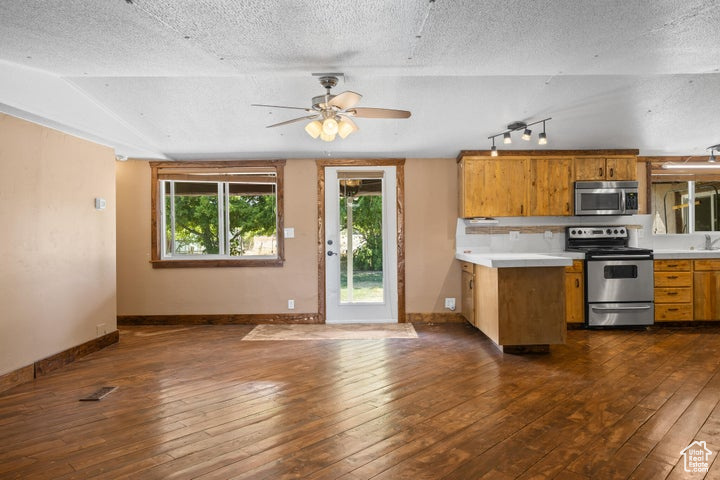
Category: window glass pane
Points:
column 196, row 219
column 707, row 202
column 670, row 205
column 252, row 229
column 361, row 252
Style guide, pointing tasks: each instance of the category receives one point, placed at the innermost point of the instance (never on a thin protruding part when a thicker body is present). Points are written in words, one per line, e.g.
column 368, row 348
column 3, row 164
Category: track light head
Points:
column 526, row 134
column 493, row 151
column 712, row 158
column 542, row 138
column 506, row 138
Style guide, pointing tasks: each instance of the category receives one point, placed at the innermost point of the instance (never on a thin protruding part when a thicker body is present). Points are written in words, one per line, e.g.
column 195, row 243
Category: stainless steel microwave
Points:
column 606, row 198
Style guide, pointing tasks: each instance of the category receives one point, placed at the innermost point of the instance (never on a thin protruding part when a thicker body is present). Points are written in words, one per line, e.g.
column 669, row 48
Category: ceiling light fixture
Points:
column 709, row 165
column 526, row 135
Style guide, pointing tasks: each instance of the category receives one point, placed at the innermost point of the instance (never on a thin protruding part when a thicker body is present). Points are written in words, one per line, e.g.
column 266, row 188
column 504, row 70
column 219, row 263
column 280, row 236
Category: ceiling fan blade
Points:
column 281, row 106
column 345, row 100
column 309, row 117
column 362, row 112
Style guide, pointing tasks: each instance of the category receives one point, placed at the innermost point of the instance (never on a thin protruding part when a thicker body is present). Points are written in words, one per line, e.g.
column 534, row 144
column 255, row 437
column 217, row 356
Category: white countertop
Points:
column 519, row 260
column 672, row 254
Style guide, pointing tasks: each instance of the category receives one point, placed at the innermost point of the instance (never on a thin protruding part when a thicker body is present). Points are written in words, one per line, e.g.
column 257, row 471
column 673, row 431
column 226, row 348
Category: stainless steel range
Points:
column 618, row 278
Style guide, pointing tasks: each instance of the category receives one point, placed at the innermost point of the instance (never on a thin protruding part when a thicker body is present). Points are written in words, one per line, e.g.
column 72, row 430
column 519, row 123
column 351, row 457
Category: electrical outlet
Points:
column 548, row 235
column 514, row 235
column 100, row 329
column 450, row 303
column 289, row 232
column 291, row 304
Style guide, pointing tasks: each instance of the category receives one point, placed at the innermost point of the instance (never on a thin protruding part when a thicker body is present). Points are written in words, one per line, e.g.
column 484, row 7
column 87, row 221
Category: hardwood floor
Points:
column 196, row 402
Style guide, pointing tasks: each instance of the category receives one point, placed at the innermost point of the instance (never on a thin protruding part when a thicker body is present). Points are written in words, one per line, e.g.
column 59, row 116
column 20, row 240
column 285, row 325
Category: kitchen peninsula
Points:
column 516, row 299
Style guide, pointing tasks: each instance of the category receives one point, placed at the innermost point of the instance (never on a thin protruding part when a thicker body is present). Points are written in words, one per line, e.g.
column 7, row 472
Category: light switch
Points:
column 100, row 203
column 289, row 232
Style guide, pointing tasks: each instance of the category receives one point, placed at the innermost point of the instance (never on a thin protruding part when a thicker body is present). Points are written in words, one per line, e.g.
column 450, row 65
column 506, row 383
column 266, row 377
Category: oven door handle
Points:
column 619, row 309
column 620, row 257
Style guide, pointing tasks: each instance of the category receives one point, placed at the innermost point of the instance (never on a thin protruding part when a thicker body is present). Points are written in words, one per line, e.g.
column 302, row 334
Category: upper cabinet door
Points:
column 494, row 187
column 550, row 186
column 621, row 168
column 590, row 168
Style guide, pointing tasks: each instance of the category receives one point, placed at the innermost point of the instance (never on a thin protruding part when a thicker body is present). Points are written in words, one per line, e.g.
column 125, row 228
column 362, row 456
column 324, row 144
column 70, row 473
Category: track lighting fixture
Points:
column 712, row 149
column 526, row 135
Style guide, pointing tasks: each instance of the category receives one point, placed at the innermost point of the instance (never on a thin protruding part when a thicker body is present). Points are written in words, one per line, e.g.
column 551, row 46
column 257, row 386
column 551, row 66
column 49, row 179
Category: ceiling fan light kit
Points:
column 330, row 114
column 526, row 135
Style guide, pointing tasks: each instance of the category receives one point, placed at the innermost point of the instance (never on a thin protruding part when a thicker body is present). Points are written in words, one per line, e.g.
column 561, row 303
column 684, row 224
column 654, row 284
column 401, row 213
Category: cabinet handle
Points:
column 611, row 172
column 521, row 209
column 567, row 207
column 577, row 283
column 601, row 172
column 471, row 281
column 673, row 265
column 672, row 309
column 672, row 293
column 672, row 277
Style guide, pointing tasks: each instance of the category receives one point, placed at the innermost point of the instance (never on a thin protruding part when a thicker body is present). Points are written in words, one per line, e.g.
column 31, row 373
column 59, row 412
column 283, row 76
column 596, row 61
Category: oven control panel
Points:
column 611, row 231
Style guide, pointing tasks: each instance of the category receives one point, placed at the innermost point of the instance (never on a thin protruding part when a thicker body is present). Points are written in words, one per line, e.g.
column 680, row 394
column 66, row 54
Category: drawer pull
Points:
column 672, row 309
column 672, row 265
column 672, row 277
column 672, row 293
column 577, row 283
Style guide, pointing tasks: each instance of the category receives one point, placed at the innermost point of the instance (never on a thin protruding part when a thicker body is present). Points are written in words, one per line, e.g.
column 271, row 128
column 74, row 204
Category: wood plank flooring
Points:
column 195, row 402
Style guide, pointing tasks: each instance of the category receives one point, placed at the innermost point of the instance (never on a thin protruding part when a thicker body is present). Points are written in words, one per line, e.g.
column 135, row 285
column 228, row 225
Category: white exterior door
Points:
column 361, row 245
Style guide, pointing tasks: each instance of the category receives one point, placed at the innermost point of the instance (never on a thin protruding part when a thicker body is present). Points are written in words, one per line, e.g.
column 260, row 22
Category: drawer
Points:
column 673, row 311
column 707, row 264
column 576, row 267
column 674, row 295
column 673, row 279
column 673, row 265
column 466, row 267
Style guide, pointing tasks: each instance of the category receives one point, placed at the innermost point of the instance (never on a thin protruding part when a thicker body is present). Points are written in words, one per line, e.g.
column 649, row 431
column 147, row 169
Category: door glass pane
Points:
column 196, row 218
column 361, row 240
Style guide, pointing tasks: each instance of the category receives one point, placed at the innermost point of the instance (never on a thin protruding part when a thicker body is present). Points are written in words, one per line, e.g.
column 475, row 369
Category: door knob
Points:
column 331, row 253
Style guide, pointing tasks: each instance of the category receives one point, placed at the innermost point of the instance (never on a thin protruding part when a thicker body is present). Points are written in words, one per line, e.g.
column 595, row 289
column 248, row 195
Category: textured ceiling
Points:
column 175, row 79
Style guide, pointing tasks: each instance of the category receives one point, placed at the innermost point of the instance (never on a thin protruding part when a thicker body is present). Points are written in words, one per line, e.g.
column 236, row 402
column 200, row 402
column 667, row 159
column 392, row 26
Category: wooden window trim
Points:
column 156, row 235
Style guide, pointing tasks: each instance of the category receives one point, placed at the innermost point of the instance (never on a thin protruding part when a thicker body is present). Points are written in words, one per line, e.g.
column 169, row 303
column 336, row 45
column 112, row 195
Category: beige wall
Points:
column 57, row 253
column 431, row 270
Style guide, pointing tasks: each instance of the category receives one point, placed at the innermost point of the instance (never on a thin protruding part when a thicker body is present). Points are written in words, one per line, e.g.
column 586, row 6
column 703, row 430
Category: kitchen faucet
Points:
column 709, row 243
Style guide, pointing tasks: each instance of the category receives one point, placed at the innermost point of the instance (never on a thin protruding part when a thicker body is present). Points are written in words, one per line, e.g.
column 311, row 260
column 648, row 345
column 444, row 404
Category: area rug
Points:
column 350, row 331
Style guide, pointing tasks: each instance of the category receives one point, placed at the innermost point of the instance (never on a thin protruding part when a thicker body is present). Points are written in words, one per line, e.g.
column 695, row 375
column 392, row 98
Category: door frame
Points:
column 399, row 164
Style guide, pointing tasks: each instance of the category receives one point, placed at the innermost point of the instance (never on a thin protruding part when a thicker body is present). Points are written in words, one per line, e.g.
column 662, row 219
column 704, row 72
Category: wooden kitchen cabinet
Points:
column 605, row 168
column 468, row 293
column 706, row 297
column 551, row 186
column 493, row 186
column 673, row 290
column 575, row 293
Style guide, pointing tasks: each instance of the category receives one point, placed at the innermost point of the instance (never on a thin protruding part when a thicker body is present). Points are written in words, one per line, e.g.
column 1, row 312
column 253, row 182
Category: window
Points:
column 217, row 214
column 686, row 207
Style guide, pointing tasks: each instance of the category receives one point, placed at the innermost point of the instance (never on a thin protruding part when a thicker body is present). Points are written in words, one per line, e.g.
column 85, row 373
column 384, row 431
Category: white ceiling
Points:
column 175, row 78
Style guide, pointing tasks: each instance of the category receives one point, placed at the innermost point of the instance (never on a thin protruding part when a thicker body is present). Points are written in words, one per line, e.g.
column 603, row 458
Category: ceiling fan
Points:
column 331, row 114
